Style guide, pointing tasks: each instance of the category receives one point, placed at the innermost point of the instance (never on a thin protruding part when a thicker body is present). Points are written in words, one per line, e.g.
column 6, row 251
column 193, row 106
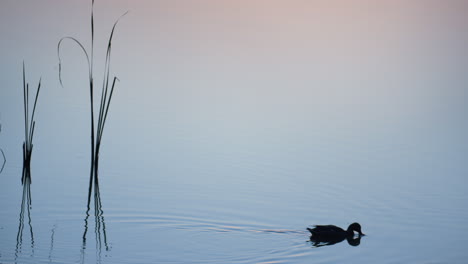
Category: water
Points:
column 225, row 203
column 230, row 133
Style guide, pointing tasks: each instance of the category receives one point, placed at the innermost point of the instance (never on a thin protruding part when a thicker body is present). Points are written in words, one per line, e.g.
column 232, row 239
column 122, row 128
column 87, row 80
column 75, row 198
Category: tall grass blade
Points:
column 107, row 106
column 104, row 101
column 105, row 85
column 29, row 128
column 59, row 45
column 25, row 104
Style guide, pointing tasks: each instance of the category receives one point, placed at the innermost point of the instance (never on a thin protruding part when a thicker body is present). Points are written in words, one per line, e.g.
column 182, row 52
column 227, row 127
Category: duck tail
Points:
column 311, row 230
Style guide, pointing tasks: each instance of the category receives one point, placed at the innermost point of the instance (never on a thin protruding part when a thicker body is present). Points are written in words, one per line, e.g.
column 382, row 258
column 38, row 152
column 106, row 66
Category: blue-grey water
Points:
column 234, row 127
column 172, row 196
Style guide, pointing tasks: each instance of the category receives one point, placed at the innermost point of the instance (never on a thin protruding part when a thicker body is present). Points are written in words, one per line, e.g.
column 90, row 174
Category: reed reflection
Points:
column 3, row 155
column 26, row 206
column 99, row 225
column 4, row 160
column 52, row 243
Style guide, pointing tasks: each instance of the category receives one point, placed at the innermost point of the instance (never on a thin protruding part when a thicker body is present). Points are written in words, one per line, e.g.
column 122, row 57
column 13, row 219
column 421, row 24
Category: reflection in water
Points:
column 25, row 207
column 3, row 154
column 4, row 160
column 52, row 243
column 99, row 226
column 320, row 242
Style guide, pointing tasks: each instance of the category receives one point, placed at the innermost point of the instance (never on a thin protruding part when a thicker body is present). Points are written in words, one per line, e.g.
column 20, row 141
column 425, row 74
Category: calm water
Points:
column 237, row 125
column 235, row 198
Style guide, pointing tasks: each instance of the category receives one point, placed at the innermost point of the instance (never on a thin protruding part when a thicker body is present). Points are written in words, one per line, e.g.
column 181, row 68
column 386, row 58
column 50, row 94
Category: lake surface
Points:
column 189, row 198
column 236, row 126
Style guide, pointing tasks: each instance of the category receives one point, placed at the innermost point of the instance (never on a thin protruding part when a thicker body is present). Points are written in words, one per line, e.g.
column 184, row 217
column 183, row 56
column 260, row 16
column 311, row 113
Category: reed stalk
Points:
column 107, row 90
column 29, row 125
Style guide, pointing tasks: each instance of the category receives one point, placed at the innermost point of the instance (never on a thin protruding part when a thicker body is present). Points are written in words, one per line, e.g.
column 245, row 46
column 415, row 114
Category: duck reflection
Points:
column 26, row 203
column 352, row 241
column 99, row 226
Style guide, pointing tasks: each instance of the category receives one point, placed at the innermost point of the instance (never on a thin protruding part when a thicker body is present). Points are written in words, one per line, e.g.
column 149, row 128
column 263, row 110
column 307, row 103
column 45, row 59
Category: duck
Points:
column 330, row 234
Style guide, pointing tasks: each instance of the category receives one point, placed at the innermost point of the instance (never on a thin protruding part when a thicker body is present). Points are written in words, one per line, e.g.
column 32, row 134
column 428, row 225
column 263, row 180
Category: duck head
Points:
column 355, row 227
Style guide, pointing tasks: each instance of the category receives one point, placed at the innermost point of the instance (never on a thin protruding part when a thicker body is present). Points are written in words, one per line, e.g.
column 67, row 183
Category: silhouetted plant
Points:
column 107, row 90
column 29, row 125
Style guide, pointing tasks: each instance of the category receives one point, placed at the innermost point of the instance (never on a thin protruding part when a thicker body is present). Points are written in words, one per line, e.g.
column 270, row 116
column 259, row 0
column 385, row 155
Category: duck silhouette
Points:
column 326, row 235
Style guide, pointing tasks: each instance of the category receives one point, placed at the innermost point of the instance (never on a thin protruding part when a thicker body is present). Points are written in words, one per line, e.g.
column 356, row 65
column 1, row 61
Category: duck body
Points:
column 330, row 234
column 328, row 231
